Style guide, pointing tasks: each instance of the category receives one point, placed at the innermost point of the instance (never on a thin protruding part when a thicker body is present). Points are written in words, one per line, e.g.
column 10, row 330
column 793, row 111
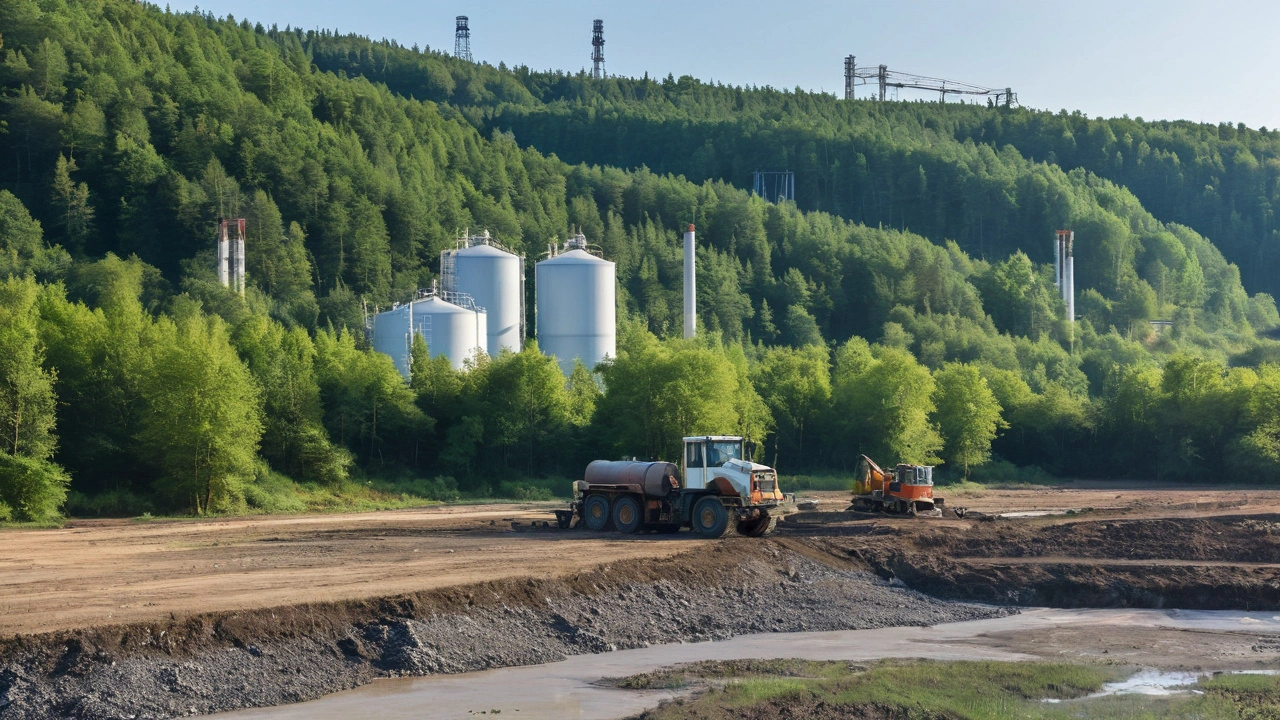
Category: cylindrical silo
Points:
column 391, row 336
column 492, row 277
column 577, row 308
column 449, row 330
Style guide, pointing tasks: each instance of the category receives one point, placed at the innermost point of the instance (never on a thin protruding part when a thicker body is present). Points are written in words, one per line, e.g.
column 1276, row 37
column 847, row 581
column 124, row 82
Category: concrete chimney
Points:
column 224, row 255
column 690, row 286
column 1071, row 278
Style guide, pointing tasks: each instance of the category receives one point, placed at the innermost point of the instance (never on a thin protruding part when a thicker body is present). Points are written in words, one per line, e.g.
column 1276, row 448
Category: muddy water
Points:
column 568, row 689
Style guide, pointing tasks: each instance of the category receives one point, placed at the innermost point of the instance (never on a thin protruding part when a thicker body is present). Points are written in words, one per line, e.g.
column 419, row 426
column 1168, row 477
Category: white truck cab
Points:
column 704, row 454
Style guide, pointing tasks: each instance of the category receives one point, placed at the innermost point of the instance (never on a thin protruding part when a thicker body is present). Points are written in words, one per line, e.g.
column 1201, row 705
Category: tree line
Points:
column 133, row 380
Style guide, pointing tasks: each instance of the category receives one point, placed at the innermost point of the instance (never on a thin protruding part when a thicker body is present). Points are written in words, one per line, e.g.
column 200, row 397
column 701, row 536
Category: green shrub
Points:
column 795, row 483
column 112, row 503
column 441, row 487
column 33, row 489
column 5, row 513
column 548, row 488
column 272, row 492
column 523, row 491
column 1003, row 472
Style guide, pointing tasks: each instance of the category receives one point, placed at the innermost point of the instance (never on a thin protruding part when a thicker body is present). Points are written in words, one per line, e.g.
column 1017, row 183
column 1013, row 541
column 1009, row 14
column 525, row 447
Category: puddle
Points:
column 570, row 689
column 1161, row 683
column 1152, row 682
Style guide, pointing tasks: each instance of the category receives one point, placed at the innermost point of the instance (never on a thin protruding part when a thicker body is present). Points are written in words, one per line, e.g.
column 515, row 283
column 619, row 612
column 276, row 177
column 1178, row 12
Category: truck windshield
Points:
column 721, row 452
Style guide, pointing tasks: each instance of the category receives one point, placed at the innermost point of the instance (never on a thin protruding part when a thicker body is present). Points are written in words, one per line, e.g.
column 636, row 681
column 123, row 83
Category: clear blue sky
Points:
column 1158, row 59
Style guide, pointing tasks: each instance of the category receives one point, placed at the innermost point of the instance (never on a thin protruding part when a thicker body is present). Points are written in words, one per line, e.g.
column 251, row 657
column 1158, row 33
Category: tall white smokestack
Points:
column 237, row 251
column 690, row 287
column 1057, row 259
column 1071, row 278
column 224, row 255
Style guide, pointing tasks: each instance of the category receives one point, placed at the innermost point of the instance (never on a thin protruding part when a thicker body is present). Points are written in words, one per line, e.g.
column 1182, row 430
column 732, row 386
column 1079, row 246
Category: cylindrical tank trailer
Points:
column 714, row 487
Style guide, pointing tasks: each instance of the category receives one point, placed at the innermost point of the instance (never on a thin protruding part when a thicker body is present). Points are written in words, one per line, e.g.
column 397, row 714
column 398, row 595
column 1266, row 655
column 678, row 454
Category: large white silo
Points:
column 450, row 330
column 391, row 335
column 577, row 308
column 493, row 277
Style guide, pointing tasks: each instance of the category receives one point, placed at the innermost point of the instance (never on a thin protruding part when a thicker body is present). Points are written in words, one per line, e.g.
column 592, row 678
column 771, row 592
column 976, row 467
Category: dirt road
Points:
column 94, row 573
column 110, row 572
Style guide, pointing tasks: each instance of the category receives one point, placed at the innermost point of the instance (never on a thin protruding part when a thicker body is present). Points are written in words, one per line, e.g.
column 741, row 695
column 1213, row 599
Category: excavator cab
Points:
column 911, row 476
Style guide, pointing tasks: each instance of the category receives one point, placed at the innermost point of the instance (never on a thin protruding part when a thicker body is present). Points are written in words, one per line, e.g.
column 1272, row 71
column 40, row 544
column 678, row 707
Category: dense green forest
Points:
column 942, row 170
column 901, row 308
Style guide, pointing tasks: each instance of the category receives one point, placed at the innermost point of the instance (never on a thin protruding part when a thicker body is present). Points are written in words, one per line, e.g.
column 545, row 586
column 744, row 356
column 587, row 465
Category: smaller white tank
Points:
column 391, row 336
column 450, row 330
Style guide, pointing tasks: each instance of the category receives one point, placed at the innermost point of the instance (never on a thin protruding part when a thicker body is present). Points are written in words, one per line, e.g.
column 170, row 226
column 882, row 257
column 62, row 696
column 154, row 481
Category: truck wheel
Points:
column 626, row 515
column 759, row 527
column 710, row 519
column 595, row 512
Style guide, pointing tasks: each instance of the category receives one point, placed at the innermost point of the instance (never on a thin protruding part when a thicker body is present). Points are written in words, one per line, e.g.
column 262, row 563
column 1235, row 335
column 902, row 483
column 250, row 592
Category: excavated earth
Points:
column 1224, row 562
column 218, row 661
column 156, row 620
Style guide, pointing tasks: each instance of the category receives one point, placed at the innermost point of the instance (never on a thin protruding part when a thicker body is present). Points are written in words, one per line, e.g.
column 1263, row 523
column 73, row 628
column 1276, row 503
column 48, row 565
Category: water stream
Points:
column 570, row 689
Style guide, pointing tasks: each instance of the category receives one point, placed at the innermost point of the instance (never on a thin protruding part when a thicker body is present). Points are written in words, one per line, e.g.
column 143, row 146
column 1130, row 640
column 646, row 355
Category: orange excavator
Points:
column 907, row 490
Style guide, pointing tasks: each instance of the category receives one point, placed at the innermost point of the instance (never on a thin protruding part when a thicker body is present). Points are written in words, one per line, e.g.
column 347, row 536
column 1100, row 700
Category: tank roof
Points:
column 575, row 257
column 481, row 250
column 437, row 306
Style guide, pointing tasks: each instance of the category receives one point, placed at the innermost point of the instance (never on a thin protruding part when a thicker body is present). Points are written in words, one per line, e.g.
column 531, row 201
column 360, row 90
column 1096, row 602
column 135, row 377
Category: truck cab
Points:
column 722, row 463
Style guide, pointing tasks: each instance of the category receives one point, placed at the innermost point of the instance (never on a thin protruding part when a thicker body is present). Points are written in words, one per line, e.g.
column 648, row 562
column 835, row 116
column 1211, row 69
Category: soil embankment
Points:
column 219, row 661
column 1211, row 563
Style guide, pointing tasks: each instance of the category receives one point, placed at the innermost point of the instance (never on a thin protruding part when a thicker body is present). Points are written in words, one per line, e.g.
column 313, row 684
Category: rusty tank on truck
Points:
column 714, row 486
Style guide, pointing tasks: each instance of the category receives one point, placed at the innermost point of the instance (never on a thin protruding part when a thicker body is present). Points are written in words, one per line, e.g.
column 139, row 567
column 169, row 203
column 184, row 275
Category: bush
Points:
column 534, row 489
column 272, row 492
column 34, row 490
column 112, row 503
column 441, row 487
column 1003, row 472
column 5, row 513
column 797, row 483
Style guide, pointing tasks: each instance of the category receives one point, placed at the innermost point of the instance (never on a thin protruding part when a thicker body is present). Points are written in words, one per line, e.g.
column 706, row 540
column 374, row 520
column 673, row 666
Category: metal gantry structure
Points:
column 597, row 49
column 774, row 186
column 462, row 38
column 882, row 78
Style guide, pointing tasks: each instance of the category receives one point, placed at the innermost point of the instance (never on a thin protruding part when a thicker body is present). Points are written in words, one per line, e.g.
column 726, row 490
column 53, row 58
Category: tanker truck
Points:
column 715, row 485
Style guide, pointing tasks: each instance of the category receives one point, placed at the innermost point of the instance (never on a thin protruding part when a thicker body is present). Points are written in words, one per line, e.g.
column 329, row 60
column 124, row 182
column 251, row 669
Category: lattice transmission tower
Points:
column 462, row 39
column 597, row 49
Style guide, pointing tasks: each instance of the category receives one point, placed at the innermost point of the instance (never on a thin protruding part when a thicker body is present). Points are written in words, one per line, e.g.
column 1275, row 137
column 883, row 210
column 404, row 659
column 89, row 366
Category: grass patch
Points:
column 972, row 690
column 888, row 688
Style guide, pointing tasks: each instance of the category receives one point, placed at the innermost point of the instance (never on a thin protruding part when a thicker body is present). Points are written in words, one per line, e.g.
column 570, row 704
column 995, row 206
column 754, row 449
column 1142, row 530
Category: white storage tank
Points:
column 450, row 330
column 577, row 308
column 391, row 335
column 493, row 277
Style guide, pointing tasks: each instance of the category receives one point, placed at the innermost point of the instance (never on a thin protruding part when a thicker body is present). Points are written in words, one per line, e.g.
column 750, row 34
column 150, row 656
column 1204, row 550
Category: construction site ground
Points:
column 103, row 618
column 95, row 572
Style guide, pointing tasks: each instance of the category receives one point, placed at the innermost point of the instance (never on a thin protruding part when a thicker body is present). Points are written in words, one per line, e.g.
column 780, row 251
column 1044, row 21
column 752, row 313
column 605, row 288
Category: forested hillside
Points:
column 897, row 164
column 902, row 308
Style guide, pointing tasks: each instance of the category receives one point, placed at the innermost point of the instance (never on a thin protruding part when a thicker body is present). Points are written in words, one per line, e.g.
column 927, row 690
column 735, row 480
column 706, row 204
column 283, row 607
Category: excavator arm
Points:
column 870, row 477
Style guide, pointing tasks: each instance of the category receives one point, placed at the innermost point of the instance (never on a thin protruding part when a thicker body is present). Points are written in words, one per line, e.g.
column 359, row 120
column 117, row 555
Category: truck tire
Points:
column 759, row 527
column 626, row 514
column 595, row 512
column 710, row 519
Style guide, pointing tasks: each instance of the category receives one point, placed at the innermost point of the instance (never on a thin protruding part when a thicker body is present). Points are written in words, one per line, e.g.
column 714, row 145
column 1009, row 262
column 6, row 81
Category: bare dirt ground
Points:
column 110, row 572
column 164, row 618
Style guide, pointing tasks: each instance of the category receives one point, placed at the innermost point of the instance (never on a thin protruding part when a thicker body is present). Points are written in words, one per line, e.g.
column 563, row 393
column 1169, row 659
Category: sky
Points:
column 1155, row 59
